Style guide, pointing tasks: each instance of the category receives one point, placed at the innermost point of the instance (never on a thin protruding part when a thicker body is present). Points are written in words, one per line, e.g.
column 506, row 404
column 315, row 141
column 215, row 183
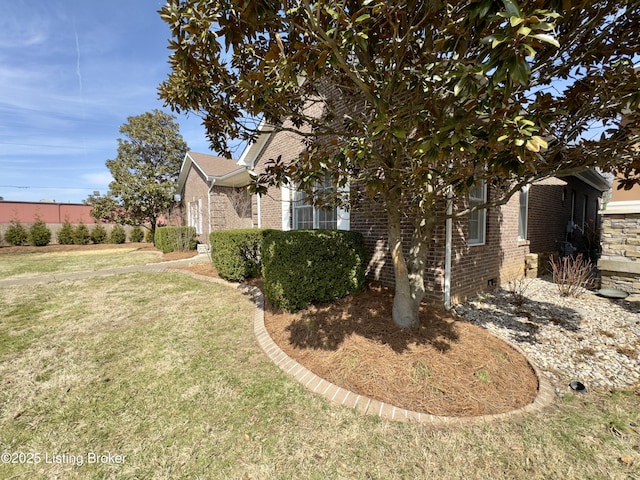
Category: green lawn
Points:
column 35, row 264
column 163, row 371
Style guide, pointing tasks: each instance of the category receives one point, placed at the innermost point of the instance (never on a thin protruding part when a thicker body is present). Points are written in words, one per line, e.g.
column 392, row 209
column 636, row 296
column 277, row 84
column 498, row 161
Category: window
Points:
column 307, row 216
column 477, row 219
column 524, row 212
column 194, row 215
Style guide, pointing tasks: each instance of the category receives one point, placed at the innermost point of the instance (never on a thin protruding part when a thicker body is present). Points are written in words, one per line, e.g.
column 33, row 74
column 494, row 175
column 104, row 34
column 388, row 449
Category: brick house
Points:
column 214, row 196
column 467, row 256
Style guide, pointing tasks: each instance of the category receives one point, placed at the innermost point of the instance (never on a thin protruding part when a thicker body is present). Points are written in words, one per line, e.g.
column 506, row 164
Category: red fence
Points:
column 27, row 212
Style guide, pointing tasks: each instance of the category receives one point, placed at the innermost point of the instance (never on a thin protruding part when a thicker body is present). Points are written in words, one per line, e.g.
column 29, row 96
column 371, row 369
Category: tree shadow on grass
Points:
column 368, row 314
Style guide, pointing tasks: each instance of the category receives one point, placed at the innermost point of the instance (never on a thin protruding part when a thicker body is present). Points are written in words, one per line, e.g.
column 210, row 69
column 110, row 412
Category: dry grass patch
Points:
column 22, row 262
column 164, row 370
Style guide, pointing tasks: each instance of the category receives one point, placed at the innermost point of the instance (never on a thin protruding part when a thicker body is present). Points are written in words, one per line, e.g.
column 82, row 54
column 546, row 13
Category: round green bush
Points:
column 136, row 235
column 118, row 235
column 98, row 234
column 16, row 234
column 65, row 235
column 302, row 267
column 81, row 235
column 39, row 234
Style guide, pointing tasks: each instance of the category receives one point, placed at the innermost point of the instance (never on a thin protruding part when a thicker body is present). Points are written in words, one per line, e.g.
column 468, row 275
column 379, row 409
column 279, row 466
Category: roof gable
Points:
column 214, row 169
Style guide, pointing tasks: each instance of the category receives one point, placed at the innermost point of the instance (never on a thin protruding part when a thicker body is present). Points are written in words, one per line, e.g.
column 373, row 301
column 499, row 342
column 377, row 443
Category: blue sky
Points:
column 71, row 72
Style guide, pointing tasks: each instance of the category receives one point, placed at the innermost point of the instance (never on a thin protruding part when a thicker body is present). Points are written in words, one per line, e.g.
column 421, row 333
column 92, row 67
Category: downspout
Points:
column 259, row 211
column 447, row 250
column 213, row 183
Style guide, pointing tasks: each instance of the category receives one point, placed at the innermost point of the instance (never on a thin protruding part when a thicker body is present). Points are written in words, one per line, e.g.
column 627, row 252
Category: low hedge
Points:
column 308, row 266
column 236, row 253
column 170, row 239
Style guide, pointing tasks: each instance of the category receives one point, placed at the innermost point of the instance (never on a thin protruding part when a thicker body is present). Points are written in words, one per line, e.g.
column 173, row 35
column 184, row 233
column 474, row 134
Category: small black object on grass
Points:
column 578, row 387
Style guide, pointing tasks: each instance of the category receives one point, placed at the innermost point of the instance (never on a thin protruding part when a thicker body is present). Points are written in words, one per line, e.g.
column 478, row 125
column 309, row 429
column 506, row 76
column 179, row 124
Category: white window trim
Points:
column 286, row 208
column 194, row 215
column 482, row 219
column 523, row 193
column 344, row 215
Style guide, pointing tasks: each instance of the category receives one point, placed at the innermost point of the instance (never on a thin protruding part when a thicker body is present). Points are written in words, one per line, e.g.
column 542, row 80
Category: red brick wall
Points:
column 369, row 218
column 479, row 268
column 473, row 268
column 288, row 146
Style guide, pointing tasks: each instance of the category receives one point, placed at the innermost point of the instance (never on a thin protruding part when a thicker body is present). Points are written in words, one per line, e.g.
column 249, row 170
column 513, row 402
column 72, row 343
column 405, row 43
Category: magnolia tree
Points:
column 419, row 101
column 144, row 173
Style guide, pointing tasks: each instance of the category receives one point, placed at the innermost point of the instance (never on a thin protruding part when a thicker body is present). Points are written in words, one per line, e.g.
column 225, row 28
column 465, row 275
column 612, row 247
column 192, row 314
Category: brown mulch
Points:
column 447, row 366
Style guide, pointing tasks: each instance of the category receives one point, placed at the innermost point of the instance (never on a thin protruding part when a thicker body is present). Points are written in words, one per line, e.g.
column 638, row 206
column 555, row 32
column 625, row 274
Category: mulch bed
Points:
column 447, row 366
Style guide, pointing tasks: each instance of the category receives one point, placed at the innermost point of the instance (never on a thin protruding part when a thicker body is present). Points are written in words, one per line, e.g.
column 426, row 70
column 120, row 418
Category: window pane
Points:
column 474, row 230
column 477, row 220
column 303, row 217
column 327, row 218
column 523, row 214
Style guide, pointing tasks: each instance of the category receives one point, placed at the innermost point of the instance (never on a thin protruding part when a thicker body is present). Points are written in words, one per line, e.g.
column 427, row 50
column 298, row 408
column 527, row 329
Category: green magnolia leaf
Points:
column 512, row 8
column 543, row 37
column 398, row 132
column 524, row 31
column 515, row 21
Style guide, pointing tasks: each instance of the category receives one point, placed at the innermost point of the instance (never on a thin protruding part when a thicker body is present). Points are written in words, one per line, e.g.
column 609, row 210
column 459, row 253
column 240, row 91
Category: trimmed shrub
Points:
column 81, row 235
column 39, row 234
column 148, row 237
column 66, row 233
column 309, row 266
column 117, row 235
column 98, row 234
column 16, row 234
column 136, row 235
column 170, row 239
column 236, row 253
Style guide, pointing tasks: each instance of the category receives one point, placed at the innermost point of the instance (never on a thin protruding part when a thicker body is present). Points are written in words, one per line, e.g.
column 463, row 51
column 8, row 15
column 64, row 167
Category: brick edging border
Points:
column 370, row 406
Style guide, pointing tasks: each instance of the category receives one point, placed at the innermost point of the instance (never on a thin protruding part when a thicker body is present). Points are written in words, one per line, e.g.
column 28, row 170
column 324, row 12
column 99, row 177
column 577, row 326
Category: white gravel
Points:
column 590, row 339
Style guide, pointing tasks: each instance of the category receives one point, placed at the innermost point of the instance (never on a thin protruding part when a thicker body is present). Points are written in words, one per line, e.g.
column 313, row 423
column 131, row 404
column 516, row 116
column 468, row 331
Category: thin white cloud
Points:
column 98, row 178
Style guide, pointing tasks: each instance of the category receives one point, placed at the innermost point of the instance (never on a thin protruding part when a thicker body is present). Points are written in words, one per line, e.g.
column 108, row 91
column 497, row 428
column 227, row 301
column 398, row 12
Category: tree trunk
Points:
column 409, row 271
